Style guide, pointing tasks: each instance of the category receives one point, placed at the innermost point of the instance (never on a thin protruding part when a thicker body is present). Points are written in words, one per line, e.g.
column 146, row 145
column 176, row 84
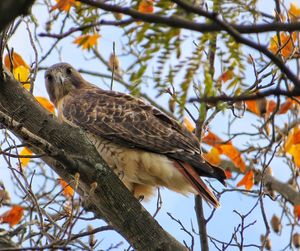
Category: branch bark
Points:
column 69, row 152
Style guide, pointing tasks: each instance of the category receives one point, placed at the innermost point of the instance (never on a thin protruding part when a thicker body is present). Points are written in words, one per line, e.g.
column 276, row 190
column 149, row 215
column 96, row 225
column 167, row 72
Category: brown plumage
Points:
column 141, row 144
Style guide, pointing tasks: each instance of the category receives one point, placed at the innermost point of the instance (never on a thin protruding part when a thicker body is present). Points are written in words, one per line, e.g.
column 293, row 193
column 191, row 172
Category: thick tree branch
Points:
column 69, row 152
column 10, row 9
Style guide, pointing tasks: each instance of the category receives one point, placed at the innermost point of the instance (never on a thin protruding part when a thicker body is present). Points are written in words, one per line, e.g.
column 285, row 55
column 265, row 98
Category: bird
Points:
column 145, row 147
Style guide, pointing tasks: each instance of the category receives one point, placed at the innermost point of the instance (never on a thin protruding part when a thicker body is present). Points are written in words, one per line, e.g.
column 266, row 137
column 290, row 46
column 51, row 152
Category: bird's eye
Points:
column 49, row 77
column 69, row 71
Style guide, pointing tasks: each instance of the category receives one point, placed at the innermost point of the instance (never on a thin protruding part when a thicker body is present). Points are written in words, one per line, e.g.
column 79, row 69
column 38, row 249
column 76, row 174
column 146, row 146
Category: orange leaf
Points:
column 67, row 189
column 294, row 12
column 46, row 104
column 297, row 211
column 213, row 156
column 285, row 107
column 295, row 152
column 231, row 152
column 17, row 60
column 228, row 174
column 212, row 139
column 64, row 5
column 146, row 6
column 271, row 105
column 13, row 216
column 252, row 106
column 25, row 152
column 286, row 46
column 247, row 180
column 188, row 124
column 87, row 41
column 225, row 148
column 227, row 75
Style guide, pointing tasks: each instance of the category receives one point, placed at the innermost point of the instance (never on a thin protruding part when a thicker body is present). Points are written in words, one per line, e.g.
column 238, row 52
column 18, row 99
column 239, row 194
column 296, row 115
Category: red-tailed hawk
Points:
column 143, row 146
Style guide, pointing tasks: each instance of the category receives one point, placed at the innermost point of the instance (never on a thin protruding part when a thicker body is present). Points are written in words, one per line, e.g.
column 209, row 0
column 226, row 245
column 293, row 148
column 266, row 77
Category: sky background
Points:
column 225, row 220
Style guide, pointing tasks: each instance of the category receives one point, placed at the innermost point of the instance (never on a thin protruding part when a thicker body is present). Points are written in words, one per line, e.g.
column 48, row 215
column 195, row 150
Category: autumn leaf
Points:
column 227, row 75
column 294, row 12
column 228, row 173
column 286, row 46
column 146, row 6
column 258, row 106
column 64, row 5
column 188, row 124
column 225, row 148
column 13, row 216
column 292, row 145
column 285, row 107
column 19, row 68
column 67, row 189
column 46, row 104
column 247, row 180
column 16, row 59
column 297, row 211
column 86, row 41
column 213, row 156
column 25, row 152
column 231, row 152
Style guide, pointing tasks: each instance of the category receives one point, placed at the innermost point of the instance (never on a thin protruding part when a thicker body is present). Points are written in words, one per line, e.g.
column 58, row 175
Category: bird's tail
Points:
column 193, row 177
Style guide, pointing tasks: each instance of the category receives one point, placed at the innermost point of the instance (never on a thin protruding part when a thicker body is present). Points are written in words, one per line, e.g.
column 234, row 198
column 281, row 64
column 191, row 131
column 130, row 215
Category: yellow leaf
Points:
column 21, row 74
column 13, row 216
column 213, row 156
column 87, row 41
column 247, row 180
column 295, row 152
column 294, row 12
column 25, row 152
column 46, row 104
column 188, row 124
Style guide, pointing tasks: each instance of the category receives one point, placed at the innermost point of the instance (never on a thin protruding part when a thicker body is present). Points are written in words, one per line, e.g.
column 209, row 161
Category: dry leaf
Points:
column 247, row 180
column 275, row 223
column 13, row 216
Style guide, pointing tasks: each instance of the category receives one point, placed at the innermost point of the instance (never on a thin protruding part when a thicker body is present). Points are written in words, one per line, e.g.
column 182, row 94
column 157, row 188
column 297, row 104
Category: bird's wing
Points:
column 131, row 122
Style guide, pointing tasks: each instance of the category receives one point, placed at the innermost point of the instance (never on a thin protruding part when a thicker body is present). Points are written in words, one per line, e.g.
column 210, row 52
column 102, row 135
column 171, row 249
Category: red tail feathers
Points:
column 191, row 175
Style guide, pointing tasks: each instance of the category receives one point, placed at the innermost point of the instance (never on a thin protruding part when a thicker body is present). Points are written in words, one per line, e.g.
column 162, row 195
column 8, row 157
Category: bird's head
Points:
column 60, row 79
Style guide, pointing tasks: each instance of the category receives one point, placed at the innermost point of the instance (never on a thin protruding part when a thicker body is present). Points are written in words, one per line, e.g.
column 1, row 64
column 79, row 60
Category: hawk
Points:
column 142, row 145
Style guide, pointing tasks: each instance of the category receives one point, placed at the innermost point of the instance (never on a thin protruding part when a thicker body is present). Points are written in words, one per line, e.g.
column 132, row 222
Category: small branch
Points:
column 259, row 95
